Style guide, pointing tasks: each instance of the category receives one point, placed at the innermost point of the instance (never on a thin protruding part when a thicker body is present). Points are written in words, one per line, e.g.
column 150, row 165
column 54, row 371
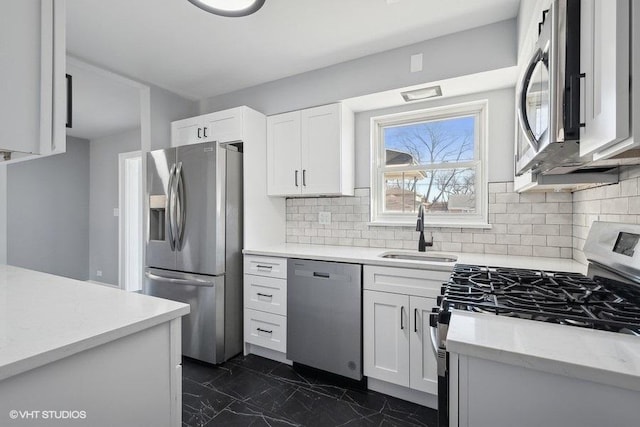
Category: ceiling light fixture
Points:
column 423, row 93
column 231, row 8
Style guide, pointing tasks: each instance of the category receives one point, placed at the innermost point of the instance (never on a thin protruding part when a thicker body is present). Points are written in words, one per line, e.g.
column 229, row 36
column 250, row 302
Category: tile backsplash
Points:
column 530, row 224
column 615, row 203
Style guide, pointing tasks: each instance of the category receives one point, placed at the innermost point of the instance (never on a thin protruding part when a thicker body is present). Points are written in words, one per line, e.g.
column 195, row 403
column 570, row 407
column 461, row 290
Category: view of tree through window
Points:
column 431, row 163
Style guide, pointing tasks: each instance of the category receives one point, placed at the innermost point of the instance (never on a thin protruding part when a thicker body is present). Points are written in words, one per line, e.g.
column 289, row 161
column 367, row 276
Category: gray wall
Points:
column 501, row 132
column 480, row 49
column 3, row 214
column 48, row 212
column 104, row 197
column 167, row 107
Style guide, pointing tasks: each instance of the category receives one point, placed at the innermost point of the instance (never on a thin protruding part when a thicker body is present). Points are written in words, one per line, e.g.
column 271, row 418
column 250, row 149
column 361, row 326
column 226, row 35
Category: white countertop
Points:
column 370, row 256
column 44, row 318
column 599, row 356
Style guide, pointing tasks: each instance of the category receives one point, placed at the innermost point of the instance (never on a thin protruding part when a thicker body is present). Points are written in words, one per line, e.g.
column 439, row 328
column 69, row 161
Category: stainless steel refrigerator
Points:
column 193, row 245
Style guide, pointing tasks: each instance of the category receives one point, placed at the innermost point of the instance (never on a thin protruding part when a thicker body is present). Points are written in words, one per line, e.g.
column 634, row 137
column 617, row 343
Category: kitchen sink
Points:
column 426, row 256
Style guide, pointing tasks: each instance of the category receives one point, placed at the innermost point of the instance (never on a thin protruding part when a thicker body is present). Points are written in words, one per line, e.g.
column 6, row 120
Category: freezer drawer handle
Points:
column 264, row 330
column 192, row 282
column 323, row 275
column 265, row 295
column 264, row 267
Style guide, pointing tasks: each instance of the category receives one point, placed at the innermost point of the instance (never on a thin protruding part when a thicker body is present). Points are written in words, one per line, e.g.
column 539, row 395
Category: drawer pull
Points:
column 264, row 295
column 265, row 331
column 323, row 275
column 264, row 267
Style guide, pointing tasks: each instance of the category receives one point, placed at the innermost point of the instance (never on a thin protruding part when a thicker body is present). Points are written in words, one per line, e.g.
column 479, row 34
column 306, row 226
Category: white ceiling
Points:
column 173, row 44
column 102, row 104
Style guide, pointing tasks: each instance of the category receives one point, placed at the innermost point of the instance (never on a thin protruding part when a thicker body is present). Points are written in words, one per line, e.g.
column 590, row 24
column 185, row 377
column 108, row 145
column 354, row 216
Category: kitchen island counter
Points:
column 44, row 317
column 73, row 352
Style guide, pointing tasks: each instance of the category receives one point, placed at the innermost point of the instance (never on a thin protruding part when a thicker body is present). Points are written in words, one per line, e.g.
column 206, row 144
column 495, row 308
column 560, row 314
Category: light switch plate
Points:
column 324, row 218
column 116, row 212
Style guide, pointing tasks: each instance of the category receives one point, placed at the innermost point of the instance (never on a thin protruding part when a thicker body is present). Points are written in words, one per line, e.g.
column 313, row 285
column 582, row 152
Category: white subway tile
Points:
column 520, row 250
column 546, row 251
column 519, row 228
column 484, row 238
column 495, row 249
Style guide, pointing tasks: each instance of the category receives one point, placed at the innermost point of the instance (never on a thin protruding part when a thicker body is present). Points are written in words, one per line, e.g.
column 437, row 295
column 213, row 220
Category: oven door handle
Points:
column 433, row 333
column 522, row 100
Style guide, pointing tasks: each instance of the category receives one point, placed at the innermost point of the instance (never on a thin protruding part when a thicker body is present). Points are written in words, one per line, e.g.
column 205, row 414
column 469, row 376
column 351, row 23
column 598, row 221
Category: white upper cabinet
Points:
column 311, row 152
column 32, row 70
column 221, row 126
column 604, row 59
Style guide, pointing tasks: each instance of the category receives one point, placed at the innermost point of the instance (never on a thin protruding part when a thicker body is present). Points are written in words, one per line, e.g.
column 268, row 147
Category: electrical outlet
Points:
column 324, row 218
column 99, row 273
column 116, row 212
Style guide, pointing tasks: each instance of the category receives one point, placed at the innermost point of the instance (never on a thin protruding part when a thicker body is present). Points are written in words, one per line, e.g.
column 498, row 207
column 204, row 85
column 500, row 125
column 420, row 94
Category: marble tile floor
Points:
column 253, row 391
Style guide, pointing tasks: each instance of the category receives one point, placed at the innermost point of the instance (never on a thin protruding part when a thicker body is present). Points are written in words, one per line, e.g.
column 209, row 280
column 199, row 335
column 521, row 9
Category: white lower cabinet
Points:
column 397, row 344
column 386, row 337
column 265, row 306
column 396, row 334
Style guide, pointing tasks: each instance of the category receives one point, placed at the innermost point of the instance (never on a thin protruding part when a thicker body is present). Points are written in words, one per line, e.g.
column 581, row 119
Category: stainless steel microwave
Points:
column 548, row 93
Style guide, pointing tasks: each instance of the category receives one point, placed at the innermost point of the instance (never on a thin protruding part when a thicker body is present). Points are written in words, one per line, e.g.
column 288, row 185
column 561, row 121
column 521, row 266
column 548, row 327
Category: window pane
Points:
column 439, row 190
column 437, row 141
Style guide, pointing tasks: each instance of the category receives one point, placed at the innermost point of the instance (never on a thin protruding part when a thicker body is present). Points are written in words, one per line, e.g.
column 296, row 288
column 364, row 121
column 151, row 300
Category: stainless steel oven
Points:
column 548, row 93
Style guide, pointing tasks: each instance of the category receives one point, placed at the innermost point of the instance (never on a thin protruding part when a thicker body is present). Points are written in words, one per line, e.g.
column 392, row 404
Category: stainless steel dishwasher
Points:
column 324, row 316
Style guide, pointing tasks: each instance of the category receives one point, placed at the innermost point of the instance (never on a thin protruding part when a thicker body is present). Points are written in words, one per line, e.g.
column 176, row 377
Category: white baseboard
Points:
column 266, row 353
column 404, row 393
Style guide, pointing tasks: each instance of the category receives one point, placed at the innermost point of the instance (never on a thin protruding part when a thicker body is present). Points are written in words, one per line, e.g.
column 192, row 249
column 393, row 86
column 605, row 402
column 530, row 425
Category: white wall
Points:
column 104, row 197
column 480, row 49
column 48, row 212
column 500, row 133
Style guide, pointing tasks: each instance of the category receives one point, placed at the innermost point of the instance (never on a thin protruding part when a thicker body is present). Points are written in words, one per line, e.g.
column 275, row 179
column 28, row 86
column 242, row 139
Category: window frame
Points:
column 480, row 110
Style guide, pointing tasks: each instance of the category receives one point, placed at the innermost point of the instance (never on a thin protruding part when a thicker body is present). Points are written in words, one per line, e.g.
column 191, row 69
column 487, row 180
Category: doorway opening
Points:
column 130, row 221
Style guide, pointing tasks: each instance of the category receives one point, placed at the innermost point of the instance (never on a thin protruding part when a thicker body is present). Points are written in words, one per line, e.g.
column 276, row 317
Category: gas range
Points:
column 549, row 296
column 607, row 298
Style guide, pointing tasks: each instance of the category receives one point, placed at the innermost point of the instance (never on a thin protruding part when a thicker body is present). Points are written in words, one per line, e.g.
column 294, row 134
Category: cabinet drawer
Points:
column 265, row 329
column 265, row 294
column 426, row 283
column 265, row 266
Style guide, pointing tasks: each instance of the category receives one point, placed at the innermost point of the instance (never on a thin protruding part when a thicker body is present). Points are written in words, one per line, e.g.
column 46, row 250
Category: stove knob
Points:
column 433, row 320
column 439, row 299
column 443, row 289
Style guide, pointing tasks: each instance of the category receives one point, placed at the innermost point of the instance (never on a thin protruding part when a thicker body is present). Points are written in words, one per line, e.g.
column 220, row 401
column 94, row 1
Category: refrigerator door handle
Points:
column 181, row 207
column 186, row 282
column 169, row 208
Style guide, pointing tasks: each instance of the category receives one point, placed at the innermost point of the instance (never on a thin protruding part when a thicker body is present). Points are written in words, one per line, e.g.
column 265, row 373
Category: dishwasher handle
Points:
column 322, row 275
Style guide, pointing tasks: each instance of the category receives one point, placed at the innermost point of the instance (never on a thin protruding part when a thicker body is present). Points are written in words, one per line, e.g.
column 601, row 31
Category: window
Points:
column 431, row 157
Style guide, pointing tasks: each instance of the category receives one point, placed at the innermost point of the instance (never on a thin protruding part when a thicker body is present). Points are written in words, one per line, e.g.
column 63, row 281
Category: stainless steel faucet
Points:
column 422, row 243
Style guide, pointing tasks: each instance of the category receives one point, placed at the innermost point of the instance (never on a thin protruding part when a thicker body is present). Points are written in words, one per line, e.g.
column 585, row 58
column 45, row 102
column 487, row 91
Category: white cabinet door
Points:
column 222, row 126
column 423, row 364
column 32, row 71
column 284, row 175
column 386, row 337
column 604, row 59
column 321, row 150
column 185, row 132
